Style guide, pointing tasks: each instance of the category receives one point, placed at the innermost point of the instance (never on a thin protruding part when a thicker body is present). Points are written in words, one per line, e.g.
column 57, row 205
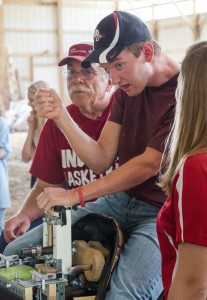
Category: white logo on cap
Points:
column 77, row 51
column 97, row 36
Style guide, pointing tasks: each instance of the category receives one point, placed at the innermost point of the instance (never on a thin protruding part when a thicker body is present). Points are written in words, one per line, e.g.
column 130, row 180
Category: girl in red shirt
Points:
column 182, row 222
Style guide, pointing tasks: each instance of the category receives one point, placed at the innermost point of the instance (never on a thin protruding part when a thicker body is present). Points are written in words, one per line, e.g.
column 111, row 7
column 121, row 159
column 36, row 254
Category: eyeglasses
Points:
column 83, row 74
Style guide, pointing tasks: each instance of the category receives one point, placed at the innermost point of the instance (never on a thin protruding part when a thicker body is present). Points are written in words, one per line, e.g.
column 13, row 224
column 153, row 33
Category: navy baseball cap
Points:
column 78, row 51
column 113, row 33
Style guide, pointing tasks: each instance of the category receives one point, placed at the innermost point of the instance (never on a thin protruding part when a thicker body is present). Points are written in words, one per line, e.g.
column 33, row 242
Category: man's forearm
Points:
column 88, row 150
column 134, row 172
column 30, row 207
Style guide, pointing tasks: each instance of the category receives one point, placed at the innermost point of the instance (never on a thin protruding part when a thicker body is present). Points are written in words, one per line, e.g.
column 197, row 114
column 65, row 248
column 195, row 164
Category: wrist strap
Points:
column 80, row 194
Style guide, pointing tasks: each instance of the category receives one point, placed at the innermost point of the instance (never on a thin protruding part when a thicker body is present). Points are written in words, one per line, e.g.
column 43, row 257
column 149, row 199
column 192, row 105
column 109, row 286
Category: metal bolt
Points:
column 76, row 282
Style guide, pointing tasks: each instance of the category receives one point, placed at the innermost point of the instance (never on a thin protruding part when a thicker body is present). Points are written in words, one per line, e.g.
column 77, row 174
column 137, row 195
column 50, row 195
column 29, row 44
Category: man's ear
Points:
column 148, row 51
column 109, row 86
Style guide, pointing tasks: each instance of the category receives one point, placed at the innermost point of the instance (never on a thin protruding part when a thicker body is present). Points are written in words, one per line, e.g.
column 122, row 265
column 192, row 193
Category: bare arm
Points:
column 30, row 204
column 28, row 149
column 2, row 152
column 20, row 222
column 135, row 171
column 190, row 282
column 98, row 156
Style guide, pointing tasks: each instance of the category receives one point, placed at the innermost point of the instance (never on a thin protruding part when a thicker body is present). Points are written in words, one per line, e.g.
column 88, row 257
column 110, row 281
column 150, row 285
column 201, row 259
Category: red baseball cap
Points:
column 78, row 51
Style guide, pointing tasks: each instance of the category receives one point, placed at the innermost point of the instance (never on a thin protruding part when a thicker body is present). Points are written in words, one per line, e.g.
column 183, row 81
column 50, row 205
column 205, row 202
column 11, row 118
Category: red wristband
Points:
column 80, row 194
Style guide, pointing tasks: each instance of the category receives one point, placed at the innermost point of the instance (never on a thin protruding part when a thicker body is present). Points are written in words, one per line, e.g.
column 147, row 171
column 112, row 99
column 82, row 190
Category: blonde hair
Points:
column 189, row 131
column 35, row 86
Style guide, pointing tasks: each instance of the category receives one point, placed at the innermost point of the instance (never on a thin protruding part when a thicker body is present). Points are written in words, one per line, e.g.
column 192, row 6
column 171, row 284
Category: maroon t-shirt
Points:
column 55, row 161
column 145, row 122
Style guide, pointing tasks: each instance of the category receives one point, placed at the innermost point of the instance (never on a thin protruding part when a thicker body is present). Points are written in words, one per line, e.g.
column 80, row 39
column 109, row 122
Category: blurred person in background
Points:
column 4, row 152
column 35, row 125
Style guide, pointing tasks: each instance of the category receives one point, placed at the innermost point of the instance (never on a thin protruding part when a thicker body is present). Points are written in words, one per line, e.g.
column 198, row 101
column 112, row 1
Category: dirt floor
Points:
column 19, row 177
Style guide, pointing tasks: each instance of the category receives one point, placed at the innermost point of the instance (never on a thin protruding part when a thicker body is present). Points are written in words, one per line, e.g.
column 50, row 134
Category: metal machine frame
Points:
column 57, row 255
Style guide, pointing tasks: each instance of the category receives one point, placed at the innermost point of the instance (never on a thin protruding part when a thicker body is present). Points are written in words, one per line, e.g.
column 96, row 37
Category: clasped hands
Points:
column 47, row 104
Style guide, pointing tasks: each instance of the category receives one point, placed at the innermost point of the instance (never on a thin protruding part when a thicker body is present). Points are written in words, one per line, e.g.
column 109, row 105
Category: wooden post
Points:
column 12, row 78
column 50, row 291
column 2, row 53
column 28, row 294
column 31, row 68
column 60, row 42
